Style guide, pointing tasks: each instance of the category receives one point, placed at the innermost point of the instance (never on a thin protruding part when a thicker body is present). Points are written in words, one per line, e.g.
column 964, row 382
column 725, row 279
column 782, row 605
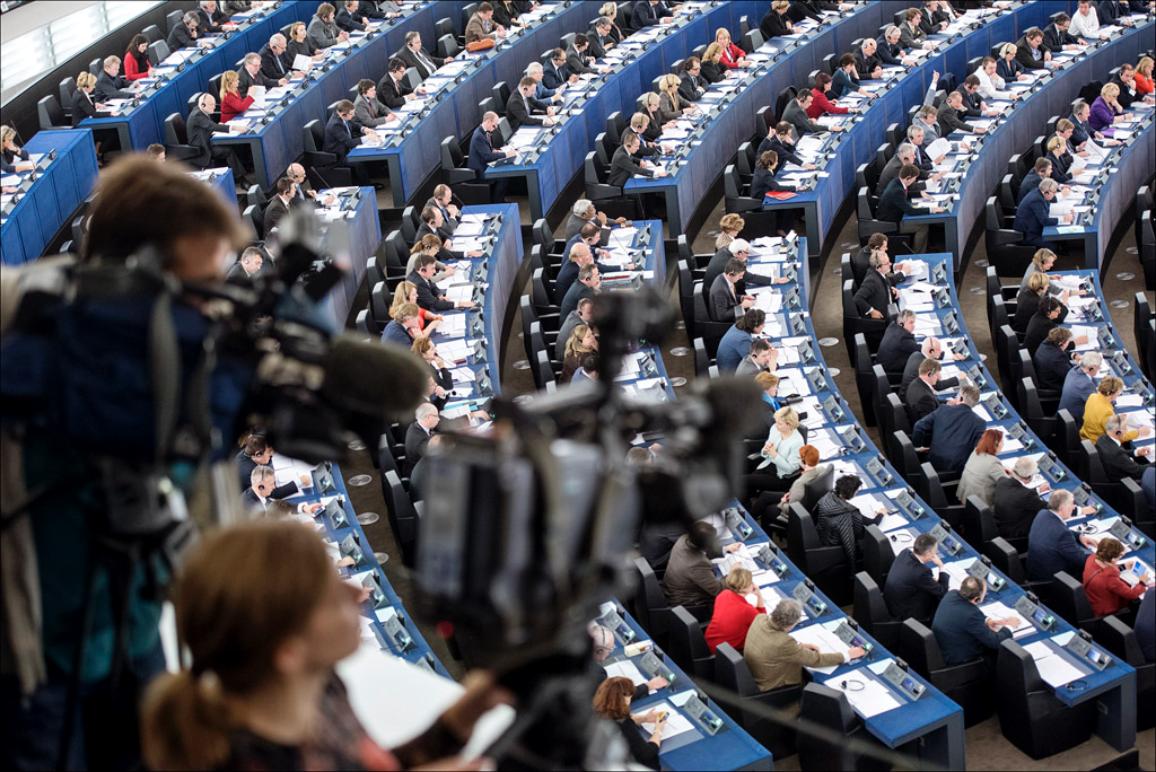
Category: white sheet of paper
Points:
column 871, row 700
column 625, row 669
column 676, row 723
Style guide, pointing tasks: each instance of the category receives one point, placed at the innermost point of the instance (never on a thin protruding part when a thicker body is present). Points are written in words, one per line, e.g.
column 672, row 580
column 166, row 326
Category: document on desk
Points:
column 621, row 237
column 826, row 641
column 867, row 695
column 625, row 669
column 454, row 325
column 956, row 572
column 1053, row 666
column 823, row 442
column 676, row 723
column 997, row 610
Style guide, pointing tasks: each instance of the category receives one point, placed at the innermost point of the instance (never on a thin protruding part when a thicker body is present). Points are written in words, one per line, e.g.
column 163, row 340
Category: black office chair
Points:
column 597, row 189
column 50, row 114
column 158, row 51
column 1124, row 496
column 447, row 46
column 172, row 19
column 403, row 518
column 325, row 164
column 829, row 708
column 67, row 88
column 872, row 614
column 752, row 40
column 877, row 553
column 969, row 684
column 616, row 123
column 686, row 291
column 710, row 330
column 651, row 608
column 826, row 566
column 1004, row 245
column 732, row 673
column 687, row 645
column 462, row 179
column 177, row 145
column 818, row 487
column 702, row 360
column 1120, row 640
column 1030, row 714
column 1069, row 600
column 868, row 224
column 735, row 199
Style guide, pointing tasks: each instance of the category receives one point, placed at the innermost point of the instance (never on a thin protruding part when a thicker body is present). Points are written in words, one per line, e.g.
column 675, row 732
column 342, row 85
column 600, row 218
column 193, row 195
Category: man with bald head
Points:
column 275, row 63
column 931, row 348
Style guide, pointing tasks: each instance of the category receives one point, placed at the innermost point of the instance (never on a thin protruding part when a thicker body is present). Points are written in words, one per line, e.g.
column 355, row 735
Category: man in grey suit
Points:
column 725, row 303
column 367, row 110
column 795, row 113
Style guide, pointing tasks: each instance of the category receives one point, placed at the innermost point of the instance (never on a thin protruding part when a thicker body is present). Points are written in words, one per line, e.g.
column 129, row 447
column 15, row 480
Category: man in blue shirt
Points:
column 1051, row 546
column 1079, row 384
column 484, row 149
column 404, row 328
column 1032, row 215
column 951, row 432
column 963, row 632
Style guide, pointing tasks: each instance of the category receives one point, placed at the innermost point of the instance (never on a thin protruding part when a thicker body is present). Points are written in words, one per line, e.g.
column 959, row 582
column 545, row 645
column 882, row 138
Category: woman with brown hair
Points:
column 265, row 619
column 582, row 342
column 983, row 468
column 1107, row 592
column 612, row 702
column 439, row 370
column 136, row 59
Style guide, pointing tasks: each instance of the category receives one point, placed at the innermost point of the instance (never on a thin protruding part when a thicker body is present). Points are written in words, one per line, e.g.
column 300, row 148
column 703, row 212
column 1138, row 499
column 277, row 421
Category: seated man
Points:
column 1051, row 546
column 963, row 632
column 736, row 343
column 1114, row 447
column 725, row 302
column 898, row 344
column 951, row 431
column 932, row 349
column 1014, row 503
column 689, row 579
column 1032, row 214
column 875, row 294
column 1051, row 360
column 895, row 204
column 775, row 658
column 417, row 435
column 1079, row 384
column 921, row 397
column 910, row 589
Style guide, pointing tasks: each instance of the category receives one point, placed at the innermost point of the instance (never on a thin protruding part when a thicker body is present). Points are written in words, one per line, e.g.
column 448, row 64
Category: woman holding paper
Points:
column 232, row 104
column 1107, row 592
column 612, row 702
column 780, row 455
column 299, row 44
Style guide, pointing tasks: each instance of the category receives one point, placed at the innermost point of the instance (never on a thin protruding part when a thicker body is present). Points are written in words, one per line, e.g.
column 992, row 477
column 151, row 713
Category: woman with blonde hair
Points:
column 1028, row 300
column 1043, row 260
column 582, row 341
column 1145, row 83
column 232, row 104
column 730, row 55
column 265, row 619
column 671, row 107
column 1106, row 110
column 729, row 228
column 425, row 348
column 612, row 702
column 712, row 68
column 609, row 11
column 83, row 105
column 1008, row 67
column 1057, row 148
column 10, row 152
column 1100, row 406
column 734, row 610
column 780, row 454
column 430, row 244
column 406, row 294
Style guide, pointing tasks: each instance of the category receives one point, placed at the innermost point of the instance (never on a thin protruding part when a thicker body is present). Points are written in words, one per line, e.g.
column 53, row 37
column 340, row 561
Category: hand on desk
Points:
column 1083, row 510
column 464, row 304
column 1088, row 541
column 656, row 683
column 1145, row 452
column 660, row 172
column 855, row 652
column 735, row 547
column 510, row 152
column 995, row 624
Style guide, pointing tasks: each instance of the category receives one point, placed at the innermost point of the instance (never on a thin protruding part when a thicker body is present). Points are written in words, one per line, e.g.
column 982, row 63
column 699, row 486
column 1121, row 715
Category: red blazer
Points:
column 132, row 70
column 731, row 55
column 821, row 104
column 730, row 620
column 232, row 106
column 1107, row 592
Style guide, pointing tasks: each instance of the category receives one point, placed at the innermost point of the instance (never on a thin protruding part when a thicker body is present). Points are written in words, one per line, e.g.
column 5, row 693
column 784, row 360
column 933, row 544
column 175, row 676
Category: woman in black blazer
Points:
column 1007, row 67
column 763, row 182
column 610, row 11
column 298, row 43
column 83, row 105
column 1028, row 301
column 776, row 23
column 712, row 71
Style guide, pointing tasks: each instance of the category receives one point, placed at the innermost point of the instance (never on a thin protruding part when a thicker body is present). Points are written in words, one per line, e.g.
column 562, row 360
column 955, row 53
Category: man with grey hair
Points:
column 1079, row 384
column 905, row 155
column 185, row 34
column 603, row 644
column 582, row 212
column 250, row 75
column 274, row 62
column 889, row 50
column 535, row 73
column 930, row 348
column 951, row 432
column 1113, row 448
column 775, row 658
column 1032, row 214
column 262, row 481
column 1051, row 546
column 485, row 148
column 417, row 435
column 209, row 17
column 1015, row 501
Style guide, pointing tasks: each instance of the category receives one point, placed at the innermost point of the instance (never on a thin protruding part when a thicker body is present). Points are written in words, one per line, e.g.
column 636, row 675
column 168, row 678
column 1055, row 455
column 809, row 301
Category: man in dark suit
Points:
column 209, row 17
column 249, row 75
column 578, row 60
column 1051, row 546
column 623, row 164
column 726, row 304
column 184, row 35
column 1057, row 37
column 274, row 63
column 895, row 204
column 555, row 73
column 349, row 18
column 417, row 435
column 415, row 56
column 200, row 129
column 963, row 632
column 948, row 116
column 910, row 590
column 342, row 133
column 898, row 343
column 1079, row 384
column 1041, row 170
column 738, row 249
column 522, row 108
column 1014, row 504
column 578, row 254
column 600, row 38
column 905, row 155
column 392, row 89
column 259, row 495
column 249, row 267
column 875, row 293
column 951, row 432
column 1113, row 450
column 691, row 85
column 930, row 348
column 646, row 13
column 1032, row 215
column 1030, row 50
column 430, row 296
column 588, row 285
column 921, row 397
column 278, row 206
column 111, row 84
column 484, row 148
column 1052, row 361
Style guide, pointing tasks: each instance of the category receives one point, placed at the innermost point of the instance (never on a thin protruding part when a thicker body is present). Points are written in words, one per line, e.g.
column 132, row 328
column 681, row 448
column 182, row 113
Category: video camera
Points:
column 528, row 528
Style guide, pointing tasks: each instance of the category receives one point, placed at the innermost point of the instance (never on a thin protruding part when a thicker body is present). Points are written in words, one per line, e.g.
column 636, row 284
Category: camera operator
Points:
column 265, row 620
column 81, row 627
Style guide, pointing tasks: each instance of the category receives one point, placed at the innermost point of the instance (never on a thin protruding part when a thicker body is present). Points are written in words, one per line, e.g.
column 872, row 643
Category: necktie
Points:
column 347, row 131
column 280, row 66
column 425, row 60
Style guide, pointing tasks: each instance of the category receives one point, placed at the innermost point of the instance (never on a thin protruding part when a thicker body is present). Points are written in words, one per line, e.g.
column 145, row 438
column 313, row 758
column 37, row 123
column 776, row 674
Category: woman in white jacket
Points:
column 990, row 83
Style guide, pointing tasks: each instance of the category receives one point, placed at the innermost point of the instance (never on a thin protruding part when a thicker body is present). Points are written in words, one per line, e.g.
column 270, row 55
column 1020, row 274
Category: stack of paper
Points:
column 997, row 610
column 676, row 723
column 868, row 696
column 1054, row 667
column 826, row 641
column 956, row 572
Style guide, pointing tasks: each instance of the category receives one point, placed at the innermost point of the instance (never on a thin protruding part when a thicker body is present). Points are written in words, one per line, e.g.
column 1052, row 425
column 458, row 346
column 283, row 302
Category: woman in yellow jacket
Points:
column 1099, row 408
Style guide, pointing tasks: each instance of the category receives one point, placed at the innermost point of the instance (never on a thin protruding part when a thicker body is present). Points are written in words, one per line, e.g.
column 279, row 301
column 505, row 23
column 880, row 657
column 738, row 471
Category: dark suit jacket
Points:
column 350, row 22
column 723, row 302
column 576, row 62
column 577, row 291
column 1053, row 548
column 911, row 372
column 712, row 72
column 1032, row 216
column 411, row 59
column 1038, row 328
column 481, row 151
column 274, row 211
column 108, row 87
column 200, row 128
column 1008, row 71
column 911, row 590
column 273, row 66
column 1052, row 366
column 691, row 87
column 180, row 37
column 553, row 77
column 874, row 292
column 1014, row 506
column 597, row 43
column 1116, row 460
column 961, row 630
column 1146, row 626
column 1054, row 40
column 887, row 53
column 896, row 348
column 416, row 440
column 83, row 106
column 244, row 80
column 920, row 400
column 1024, row 56
column 339, row 137
column 785, row 151
column 524, row 110
column 951, row 432
column 429, row 295
column 949, row 120
column 643, row 15
column 395, row 333
column 1030, row 182
column 623, row 166
column 392, row 93
column 894, row 203
column 774, row 24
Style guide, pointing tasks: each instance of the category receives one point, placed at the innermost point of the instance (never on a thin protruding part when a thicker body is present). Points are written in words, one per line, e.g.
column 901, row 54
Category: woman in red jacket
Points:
column 732, row 55
column 1107, row 592
column 136, row 59
column 821, row 105
column 733, row 613
column 232, row 104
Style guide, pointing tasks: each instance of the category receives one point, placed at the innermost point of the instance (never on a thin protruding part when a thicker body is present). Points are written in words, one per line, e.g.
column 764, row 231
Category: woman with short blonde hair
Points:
column 232, row 103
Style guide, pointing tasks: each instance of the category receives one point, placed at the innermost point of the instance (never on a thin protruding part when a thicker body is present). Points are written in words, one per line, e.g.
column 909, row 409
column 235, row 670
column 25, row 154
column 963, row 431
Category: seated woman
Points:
column 1008, row 67
column 1106, row 110
column 1100, row 406
column 12, row 156
column 839, row 522
column 406, row 294
column 780, row 455
column 1028, row 300
column 232, row 104
column 731, row 56
column 425, row 348
column 582, row 341
column 712, row 67
column 821, row 105
column 763, row 182
column 983, row 468
column 1107, row 592
column 671, row 105
column 734, row 610
column 136, row 59
column 612, row 702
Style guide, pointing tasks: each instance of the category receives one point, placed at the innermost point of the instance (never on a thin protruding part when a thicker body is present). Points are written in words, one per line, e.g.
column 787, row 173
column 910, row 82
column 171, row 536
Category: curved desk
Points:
column 1114, row 687
column 47, row 197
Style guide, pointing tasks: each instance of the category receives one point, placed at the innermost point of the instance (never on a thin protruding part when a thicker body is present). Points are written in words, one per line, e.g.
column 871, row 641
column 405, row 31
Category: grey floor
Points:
column 986, row 747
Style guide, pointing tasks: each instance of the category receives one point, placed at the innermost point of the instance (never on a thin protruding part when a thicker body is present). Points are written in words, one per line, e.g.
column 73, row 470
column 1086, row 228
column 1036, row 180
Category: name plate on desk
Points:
column 981, row 571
